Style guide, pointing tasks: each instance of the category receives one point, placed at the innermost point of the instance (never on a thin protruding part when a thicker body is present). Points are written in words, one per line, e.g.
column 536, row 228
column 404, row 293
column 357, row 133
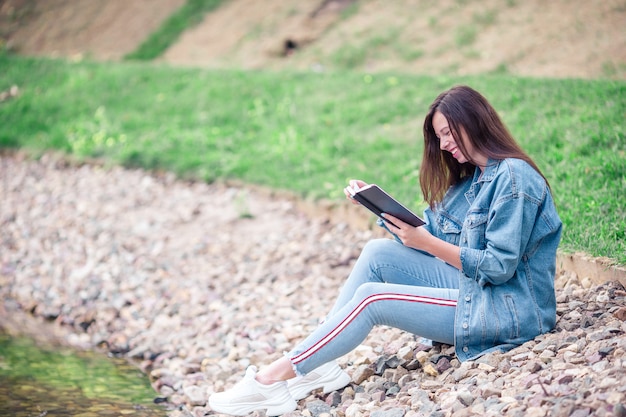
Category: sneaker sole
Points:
column 334, row 381
column 245, row 409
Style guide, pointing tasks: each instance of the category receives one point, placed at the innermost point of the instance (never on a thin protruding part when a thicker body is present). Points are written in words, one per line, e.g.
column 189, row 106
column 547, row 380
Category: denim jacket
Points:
column 507, row 227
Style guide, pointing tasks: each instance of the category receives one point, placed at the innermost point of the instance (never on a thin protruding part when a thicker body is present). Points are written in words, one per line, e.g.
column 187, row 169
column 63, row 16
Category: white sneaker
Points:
column 330, row 377
column 249, row 395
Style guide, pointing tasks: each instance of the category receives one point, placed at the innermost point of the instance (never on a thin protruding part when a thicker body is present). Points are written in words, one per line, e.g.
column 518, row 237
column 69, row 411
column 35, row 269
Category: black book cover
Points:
column 376, row 200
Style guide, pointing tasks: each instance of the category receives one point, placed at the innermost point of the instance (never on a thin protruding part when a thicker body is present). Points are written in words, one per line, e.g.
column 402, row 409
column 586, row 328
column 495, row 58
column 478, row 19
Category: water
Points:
column 38, row 380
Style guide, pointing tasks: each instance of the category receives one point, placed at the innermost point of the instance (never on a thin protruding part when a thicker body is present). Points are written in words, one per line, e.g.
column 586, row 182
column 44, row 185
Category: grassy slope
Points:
column 310, row 132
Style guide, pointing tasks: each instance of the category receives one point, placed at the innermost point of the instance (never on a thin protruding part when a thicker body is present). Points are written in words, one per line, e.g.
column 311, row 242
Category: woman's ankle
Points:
column 266, row 380
column 281, row 370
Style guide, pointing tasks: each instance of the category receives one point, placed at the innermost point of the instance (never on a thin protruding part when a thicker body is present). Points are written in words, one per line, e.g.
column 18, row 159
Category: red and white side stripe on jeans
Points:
column 354, row 313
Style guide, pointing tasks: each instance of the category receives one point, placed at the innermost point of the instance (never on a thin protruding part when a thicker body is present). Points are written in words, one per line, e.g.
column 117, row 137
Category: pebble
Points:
column 197, row 281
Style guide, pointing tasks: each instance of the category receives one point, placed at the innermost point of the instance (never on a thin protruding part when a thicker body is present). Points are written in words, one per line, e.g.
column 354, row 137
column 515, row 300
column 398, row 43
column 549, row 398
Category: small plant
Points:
column 94, row 138
column 471, row 54
column 349, row 56
column 242, row 206
column 501, row 69
column 409, row 54
column 485, row 18
column 350, row 11
column 612, row 70
column 465, row 35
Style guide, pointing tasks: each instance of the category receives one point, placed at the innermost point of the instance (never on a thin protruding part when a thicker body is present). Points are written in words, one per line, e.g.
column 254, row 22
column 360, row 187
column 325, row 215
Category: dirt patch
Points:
column 98, row 29
column 532, row 38
column 252, row 34
column 562, row 38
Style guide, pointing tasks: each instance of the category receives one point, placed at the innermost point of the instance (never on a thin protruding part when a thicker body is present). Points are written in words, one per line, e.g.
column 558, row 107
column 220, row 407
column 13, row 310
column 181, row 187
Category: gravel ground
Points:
column 197, row 281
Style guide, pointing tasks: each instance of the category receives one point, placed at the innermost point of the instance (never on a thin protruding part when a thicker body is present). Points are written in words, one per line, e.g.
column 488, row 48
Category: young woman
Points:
column 479, row 275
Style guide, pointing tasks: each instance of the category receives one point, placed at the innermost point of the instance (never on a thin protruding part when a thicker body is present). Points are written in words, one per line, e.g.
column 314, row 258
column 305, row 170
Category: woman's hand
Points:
column 355, row 185
column 420, row 238
column 411, row 236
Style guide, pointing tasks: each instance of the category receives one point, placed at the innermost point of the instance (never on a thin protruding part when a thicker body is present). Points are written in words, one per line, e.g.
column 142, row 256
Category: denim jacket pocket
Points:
column 475, row 225
column 449, row 230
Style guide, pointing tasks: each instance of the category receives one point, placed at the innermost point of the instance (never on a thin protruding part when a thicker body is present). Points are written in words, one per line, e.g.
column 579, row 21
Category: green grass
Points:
column 190, row 14
column 311, row 132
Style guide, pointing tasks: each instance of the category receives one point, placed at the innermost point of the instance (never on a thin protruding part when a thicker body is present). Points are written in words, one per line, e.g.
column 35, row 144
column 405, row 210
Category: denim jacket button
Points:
column 465, row 325
column 468, row 298
column 465, row 349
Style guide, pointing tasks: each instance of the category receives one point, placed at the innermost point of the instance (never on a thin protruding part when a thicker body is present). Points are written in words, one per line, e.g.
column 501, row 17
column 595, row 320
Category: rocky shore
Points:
column 195, row 282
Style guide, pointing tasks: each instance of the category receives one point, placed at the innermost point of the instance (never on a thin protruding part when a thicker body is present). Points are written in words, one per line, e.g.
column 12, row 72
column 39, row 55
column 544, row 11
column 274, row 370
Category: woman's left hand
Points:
column 411, row 236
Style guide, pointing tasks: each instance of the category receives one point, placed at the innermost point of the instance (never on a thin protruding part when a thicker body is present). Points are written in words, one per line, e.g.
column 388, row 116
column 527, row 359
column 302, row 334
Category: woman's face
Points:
column 448, row 143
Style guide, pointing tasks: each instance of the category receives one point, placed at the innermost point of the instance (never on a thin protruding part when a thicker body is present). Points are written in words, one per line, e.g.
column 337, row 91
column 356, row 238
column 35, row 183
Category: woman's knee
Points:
column 366, row 290
column 379, row 248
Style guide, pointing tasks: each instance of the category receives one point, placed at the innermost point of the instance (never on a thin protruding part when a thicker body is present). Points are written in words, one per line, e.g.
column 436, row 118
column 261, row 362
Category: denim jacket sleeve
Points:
column 496, row 233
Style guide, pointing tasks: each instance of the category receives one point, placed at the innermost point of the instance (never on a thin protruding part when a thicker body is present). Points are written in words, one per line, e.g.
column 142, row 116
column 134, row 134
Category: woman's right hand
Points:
column 355, row 185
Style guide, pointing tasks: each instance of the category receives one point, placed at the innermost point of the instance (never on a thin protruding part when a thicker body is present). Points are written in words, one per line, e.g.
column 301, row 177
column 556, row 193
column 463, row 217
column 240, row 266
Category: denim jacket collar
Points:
column 481, row 176
column 489, row 172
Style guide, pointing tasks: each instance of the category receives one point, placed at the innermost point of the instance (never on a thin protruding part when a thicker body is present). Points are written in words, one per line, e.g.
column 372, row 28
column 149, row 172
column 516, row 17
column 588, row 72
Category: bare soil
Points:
column 560, row 38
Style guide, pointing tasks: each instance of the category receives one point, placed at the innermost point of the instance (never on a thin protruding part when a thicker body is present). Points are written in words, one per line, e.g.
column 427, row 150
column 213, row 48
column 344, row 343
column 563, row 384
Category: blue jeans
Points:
column 390, row 285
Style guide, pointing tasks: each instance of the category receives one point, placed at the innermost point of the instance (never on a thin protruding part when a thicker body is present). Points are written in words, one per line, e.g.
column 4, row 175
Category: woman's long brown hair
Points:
column 466, row 110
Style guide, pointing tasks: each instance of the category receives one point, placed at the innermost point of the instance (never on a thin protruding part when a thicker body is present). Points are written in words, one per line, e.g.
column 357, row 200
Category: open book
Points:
column 378, row 201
